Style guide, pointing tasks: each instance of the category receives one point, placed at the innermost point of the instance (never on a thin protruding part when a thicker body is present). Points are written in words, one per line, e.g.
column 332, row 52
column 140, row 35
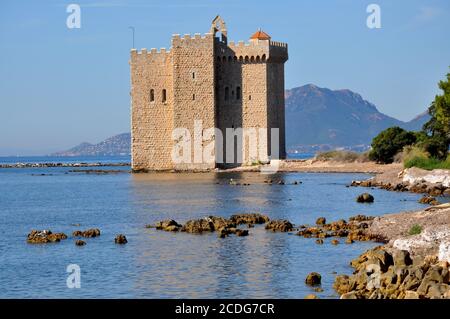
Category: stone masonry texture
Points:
column 201, row 83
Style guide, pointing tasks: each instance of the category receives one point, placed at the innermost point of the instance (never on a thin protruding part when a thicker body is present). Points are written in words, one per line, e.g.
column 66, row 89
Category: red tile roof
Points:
column 260, row 35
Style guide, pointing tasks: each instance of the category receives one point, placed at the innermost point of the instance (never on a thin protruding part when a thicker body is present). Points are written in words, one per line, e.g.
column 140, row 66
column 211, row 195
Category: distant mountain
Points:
column 316, row 119
column 417, row 123
column 113, row 146
column 322, row 118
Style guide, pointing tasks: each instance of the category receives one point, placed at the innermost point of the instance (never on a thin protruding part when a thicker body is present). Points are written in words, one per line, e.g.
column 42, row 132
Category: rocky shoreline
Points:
column 434, row 183
column 415, row 261
column 411, row 265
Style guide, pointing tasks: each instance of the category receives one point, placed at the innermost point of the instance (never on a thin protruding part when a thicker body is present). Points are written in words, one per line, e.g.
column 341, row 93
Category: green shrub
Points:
column 415, row 229
column 411, row 151
column 435, row 145
column 427, row 163
column 389, row 142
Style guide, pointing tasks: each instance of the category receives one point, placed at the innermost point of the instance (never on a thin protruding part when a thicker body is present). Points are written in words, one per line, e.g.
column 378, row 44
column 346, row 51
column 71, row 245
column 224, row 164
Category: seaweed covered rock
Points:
column 80, row 242
column 120, row 239
column 360, row 218
column 220, row 222
column 250, row 219
column 279, row 225
column 365, row 198
column 313, row 279
column 241, row 232
column 90, row 233
column 321, row 221
column 168, row 225
column 430, row 200
column 44, row 236
column 198, row 226
column 314, row 232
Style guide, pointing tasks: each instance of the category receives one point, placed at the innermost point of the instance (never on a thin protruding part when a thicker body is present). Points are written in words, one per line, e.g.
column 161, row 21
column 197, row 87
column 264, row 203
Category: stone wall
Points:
column 194, row 94
column 151, row 121
column 213, row 84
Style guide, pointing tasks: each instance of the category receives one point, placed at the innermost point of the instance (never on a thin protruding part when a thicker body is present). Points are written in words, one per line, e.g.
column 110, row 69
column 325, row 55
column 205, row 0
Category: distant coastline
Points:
column 63, row 161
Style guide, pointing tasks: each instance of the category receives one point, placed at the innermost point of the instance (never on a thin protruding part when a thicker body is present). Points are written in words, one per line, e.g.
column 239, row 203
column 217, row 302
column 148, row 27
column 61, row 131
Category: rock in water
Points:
column 313, row 279
column 249, row 219
column 321, row 221
column 430, row 200
column 279, row 225
column 365, row 198
column 168, row 225
column 90, row 233
column 241, row 232
column 120, row 239
column 198, row 226
column 80, row 242
column 44, row 236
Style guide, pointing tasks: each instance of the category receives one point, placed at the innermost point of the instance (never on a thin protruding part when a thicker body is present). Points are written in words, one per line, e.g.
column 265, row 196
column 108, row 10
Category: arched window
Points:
column 246, row 59
column 238, row 93
column 235, row 59
column 164, row 95
column 252, row 59
column 227, row 93
column 263, row 58
column 257, row 59
column 241, row 59
column 230, row 59
column 224, row 59
column 152, row 95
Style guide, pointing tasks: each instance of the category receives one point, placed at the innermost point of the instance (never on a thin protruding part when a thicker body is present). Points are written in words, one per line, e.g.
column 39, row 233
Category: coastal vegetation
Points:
column 415, row 229
column 428, row 148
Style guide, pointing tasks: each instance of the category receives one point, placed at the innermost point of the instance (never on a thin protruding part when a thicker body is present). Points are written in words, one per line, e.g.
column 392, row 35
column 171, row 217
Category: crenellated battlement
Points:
column 278, row 44
column 205, row 77
column 191, row 40
column 143, row 55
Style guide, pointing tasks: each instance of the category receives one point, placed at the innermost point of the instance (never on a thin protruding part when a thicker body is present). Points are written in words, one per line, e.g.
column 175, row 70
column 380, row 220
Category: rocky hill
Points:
column 113, row 146
column 320, row 118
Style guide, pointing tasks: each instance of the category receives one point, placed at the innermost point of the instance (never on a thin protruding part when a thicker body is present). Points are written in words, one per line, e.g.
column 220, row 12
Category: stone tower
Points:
column 224, row 97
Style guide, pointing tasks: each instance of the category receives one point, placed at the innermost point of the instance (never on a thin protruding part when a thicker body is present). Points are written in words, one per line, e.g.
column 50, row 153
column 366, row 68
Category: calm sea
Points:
column 157, row 264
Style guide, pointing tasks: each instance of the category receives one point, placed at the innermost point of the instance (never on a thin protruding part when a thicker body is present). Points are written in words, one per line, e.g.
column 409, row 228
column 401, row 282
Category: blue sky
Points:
column 60, row 86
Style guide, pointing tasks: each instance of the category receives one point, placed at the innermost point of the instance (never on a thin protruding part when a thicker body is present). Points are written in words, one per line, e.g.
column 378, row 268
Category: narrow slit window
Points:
column 238, row 93
column 152, row 95
column 164, row 95
column 249, row 97
column 193, row 75
column 193, row 97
